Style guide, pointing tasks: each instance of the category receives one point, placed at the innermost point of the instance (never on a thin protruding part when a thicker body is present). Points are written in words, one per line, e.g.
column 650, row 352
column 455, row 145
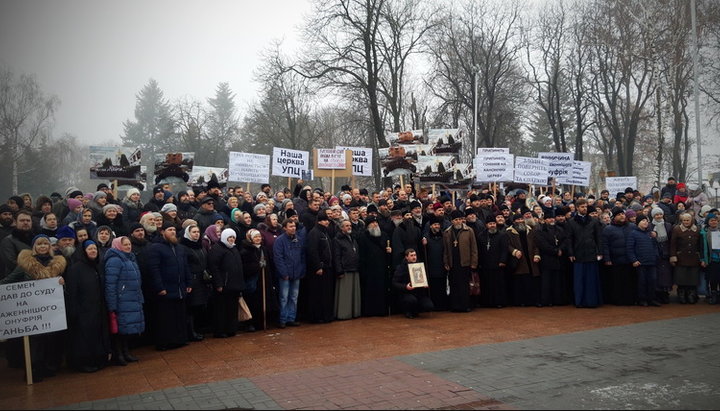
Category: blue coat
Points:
column 642, row 247
column 123, row 293
column 614, row 243
column 289, row 257
column 169, row 269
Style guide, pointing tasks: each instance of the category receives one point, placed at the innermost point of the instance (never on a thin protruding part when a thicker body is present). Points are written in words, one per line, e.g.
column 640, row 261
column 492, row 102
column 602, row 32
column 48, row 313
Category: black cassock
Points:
column 493, row 250
column 374, row 274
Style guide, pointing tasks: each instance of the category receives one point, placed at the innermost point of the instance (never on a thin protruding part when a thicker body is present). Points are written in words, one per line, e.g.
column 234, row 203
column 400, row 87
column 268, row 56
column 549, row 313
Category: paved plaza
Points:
column 517, row 358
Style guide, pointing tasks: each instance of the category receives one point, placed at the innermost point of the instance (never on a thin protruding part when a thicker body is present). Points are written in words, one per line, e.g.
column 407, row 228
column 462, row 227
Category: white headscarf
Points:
column 227, row 233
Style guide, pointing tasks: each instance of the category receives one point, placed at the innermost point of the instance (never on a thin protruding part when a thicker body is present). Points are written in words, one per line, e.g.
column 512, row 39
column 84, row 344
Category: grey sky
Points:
column 96, row 55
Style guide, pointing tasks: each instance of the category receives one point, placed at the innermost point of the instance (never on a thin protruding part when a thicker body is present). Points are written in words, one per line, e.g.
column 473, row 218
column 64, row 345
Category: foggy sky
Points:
column 97, row 55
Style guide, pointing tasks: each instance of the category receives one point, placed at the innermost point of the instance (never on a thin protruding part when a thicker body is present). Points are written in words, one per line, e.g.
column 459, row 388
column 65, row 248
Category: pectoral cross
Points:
column 488, row 245
column 455, row 243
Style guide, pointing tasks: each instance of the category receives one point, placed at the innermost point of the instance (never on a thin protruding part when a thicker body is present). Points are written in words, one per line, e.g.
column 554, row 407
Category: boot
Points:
column 665, row 297
column 117, row 352
column 682, row 295
column 713, row 299
column 692, row 296
column 192, row 334
column 126, row 351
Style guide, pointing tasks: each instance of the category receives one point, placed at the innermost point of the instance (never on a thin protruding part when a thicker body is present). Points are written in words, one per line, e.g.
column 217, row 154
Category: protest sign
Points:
column 289, row 163
column 32, row 307
column 581, row 173
column 249, row 167
column 494, row 167
column 114, row 163
column 436, row 169
column 330, row 158
column 445, row 140
column 618, row 184
column 530, row 170
column 361, row 160
column 492, row 150
column 201, row 175
column 347, row 171
column 561, row 165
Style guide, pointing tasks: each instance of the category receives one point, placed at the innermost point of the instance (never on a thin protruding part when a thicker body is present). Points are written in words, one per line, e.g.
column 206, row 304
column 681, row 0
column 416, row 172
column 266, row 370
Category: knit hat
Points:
column 258, row 208
column 39, row 236
column 456, row 214
column 166, row 225
column 617, row 210
column 167, row 195
column 709, row 217
column 681, row 185
column 704, row 210
column 88, row 243
column 90, row 196
column 131, row 191
column 135, row 226
column 168, row 208
column 252, row 233
column 490, row 219
column 70, row 191
column 217, row 217
column 99, row 194
column 656, row 210
column 640, row 218
column 157, row 189
column 290, row 213
column 322, row 216
column 4, row 208
column 73, row 204
column 65, row 232
column 108, row 207
column 630, row 214
column 667, row 194
column 227, row 233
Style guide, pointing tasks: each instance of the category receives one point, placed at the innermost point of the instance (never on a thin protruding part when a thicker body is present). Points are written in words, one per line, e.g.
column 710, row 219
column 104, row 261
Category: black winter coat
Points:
column 434, row 259
column 584, row 235
column 319, row 250
column 198, row 264
column 226, row 266
column 169, row 269
column 252, row 258
column 492, row 249
column 346, row 254
column 117, row 225
column 614, row 243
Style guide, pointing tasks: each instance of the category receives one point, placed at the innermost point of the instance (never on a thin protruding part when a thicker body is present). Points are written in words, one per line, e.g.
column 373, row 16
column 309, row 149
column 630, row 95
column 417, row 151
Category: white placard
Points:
column 492, row 150
column 249, row 167
column 618, row 184
column 493, row 167
column 530, row 170
column 289, row 163
column 331, row 159
column 715, row 240
column 581, row 172
column 561, row 165
column 32, row 307
column 361, row 160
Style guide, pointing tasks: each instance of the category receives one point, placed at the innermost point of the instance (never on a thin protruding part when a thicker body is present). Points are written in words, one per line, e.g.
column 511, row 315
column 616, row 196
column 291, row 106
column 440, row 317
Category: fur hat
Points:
column 456, row 214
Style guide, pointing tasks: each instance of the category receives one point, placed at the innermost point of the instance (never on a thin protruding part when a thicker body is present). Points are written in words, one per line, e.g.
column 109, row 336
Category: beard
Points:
column 150, row 228
column 551, row 224
column 457, row 226
column 374, row 231
column 492, row 231
column 530, row 222
column 171, row 240
column 397, row 222
column 520, row 227
column 68, row 251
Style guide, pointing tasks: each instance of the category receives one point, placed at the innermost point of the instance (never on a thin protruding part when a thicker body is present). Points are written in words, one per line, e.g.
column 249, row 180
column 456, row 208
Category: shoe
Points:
column 644, row 303
column 409, row 315
column 130, row 358
column 293, row 324
column 89, row 369
column 119, row 360
column 682, row 296
column 195, row 337
column 655, row 303
column 250, row 329
column 692, row 297
column 217, row 335
column 281, row 325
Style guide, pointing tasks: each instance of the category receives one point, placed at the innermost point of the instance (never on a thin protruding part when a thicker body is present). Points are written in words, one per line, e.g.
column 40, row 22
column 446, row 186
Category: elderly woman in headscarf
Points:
column 38, row 263
column 197, row 258
column 85, row 221
column 132, row 206
column 103, row 238
column 88, row 333
column 686, row 255
column 124, row 297
column 225, row 265
column 99, row 200
column 256, row 262
column 112, row 218
column 239, row 222
column 170, row 215
column 211, row 237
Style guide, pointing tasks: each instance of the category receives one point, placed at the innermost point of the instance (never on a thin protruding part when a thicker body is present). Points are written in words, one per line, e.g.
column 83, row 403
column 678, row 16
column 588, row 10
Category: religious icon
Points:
column 418, row 278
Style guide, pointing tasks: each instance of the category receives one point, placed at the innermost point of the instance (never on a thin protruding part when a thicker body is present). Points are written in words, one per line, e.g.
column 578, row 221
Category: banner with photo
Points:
column 115, row 163
column 201, row 175
column 173, row 167
column 445, row 140
column 405, row 137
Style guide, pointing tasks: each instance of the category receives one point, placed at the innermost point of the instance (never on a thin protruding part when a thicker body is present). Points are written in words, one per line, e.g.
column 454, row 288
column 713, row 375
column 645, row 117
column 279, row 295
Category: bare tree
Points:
column 26, row 116
column 191, row 122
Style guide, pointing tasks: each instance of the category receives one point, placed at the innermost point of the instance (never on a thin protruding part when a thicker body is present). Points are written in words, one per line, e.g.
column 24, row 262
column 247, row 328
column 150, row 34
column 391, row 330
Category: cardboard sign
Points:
column 561, row 165
column 361, row 160
column 330, row 172
column 492, row 150
column 715, row 240
column 494, row 167
column 331, row 158
column 581, row 172
column 249, row 167
column 530, row 170
column 32, row 307
column 289, row 163
column 618, row 184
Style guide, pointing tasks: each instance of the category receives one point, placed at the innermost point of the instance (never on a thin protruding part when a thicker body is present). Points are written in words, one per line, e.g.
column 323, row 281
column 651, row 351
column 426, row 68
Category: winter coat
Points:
column 29, row 268
column 466, row 243
column 205, row 219
column 117, row 225
column 289, row 256
column 197, row 259
column 405, row 236
column 710, row 255
column 346, row 255
column 169, row 269
column 641, row 246
column 584, row 234
column 268, row 235
column 131, row 211
column 435, row 258
column 225, row 265
column 550, row 240
column 492, row 249
column 60, row 209
column 525, row 265
column 123, row 291
column 686, row 246
column 319, row 250
column 614, row 243
column 253, row 264
column 10, row 248
column 185, row 211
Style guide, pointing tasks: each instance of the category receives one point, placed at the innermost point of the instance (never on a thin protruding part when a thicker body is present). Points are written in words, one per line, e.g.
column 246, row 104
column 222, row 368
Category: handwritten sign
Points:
column 31, row 307
column 330, row 158
column 618, row 184
column 492, row 150
column 530, row 170
column 494, row 167
column 361, row 160
column 561, row 165
column 289, row 163
column 581, row 172
column 249, row 167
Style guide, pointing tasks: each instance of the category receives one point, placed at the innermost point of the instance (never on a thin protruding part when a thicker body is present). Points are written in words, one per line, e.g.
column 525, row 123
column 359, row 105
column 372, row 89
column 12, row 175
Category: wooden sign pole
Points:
column 402, row 181
column 247, row 190
column 115, row 189
column 353, row 182
column 332, row 182
column 28, row 359
column 290, row 182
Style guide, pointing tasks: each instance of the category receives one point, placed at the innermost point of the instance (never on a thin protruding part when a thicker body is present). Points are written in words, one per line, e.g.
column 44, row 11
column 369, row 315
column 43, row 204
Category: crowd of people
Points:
column 186, row 264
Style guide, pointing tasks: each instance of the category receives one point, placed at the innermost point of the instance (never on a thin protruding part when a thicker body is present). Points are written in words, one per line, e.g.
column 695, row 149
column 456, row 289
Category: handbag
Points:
column 243, row 310
column 112, row 317
column 474, row 283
